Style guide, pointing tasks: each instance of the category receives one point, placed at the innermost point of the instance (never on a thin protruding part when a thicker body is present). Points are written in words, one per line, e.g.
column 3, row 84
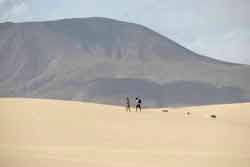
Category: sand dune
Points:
column 50, row 133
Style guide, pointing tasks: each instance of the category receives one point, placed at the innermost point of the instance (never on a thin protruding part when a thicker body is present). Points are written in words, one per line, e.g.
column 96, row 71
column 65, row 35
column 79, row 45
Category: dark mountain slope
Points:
column 102, row 60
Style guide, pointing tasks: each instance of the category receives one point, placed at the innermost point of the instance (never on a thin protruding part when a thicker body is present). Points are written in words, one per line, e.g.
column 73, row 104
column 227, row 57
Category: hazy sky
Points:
column 215, row 28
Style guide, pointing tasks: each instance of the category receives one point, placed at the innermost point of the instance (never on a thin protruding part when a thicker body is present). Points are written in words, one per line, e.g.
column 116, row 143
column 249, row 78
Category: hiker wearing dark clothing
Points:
column 127, row 105
column 138, row 104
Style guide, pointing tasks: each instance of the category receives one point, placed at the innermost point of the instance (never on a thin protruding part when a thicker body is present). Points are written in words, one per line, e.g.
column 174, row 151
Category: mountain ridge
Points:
column 118, row 21
column 60, row 59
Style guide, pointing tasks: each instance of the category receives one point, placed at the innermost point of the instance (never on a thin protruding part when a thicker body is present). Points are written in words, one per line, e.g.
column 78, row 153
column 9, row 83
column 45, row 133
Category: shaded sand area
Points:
column 49, row 133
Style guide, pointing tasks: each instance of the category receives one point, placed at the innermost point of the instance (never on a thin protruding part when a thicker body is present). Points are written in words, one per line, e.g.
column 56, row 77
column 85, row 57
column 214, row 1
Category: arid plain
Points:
column 51, row 133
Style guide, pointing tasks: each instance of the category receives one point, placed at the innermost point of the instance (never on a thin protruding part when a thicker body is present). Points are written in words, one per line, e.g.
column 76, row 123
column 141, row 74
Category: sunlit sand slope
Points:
column 48, row 133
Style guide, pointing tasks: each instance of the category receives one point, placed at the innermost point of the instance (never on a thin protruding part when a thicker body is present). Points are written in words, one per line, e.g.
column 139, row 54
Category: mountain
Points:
column 103, row 60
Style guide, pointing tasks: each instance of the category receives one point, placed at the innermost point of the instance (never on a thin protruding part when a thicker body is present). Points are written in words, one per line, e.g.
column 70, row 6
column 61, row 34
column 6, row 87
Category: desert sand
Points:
column 51, row 133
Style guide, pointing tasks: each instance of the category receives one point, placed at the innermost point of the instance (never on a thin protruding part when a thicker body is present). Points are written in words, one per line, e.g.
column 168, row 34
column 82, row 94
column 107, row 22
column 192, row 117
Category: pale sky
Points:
column 214, row 28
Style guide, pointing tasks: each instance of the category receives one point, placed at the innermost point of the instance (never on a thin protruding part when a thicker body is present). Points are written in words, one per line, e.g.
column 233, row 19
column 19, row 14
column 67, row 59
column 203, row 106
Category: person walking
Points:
column 138, row 104
column 127, row 105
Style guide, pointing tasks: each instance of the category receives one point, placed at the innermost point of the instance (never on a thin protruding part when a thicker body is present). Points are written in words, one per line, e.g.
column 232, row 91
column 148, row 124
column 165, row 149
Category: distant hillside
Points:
column 103, row 60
